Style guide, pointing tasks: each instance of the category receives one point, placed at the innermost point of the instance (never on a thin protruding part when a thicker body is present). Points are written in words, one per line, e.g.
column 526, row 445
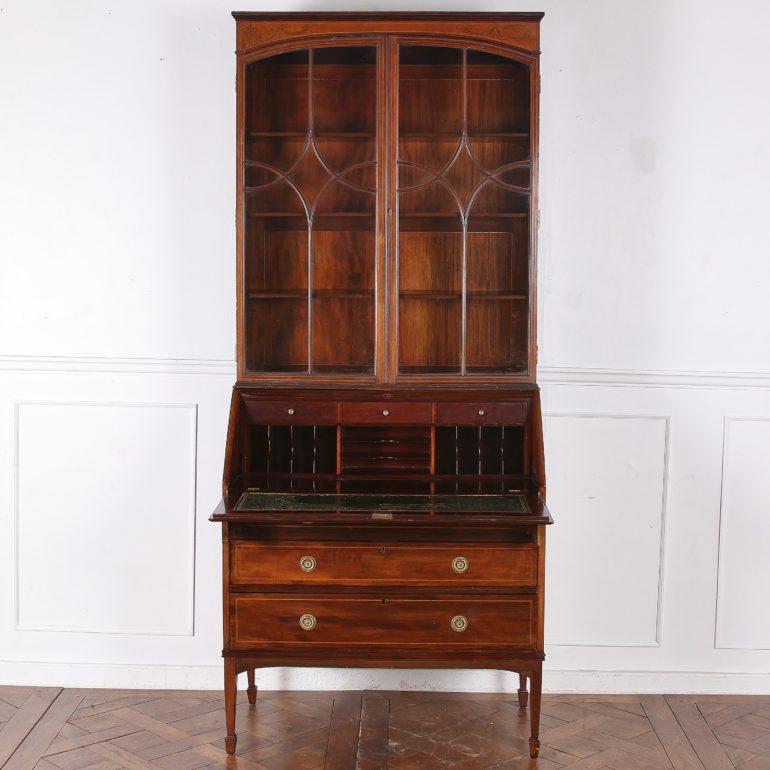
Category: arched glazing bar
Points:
column 310, row 188
column 464, row 185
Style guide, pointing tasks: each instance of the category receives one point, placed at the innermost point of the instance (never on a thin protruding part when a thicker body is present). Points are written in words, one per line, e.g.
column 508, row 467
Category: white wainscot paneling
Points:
column 105, row 517
column 607, row 476
column 742, row 620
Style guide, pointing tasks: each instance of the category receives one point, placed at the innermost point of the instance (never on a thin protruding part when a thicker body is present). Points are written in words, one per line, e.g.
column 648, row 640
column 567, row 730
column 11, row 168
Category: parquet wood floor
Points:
column 67, row 729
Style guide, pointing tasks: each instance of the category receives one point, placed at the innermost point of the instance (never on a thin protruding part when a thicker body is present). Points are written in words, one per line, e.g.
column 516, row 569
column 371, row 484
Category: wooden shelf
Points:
column 323, row 215
column 487, row 295
column 493, row 295
column 446, row 137
column 276, row 295
column 317, row 294
column 445, row 214
column 330, row 136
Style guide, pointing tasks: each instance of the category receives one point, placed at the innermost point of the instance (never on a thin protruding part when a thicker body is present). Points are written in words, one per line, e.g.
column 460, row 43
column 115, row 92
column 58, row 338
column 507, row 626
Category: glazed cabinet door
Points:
column 464, row 139
column 311, row 191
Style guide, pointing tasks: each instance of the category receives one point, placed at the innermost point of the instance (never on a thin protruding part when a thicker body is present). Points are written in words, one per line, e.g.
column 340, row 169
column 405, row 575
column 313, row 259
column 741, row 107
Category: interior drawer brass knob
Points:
column 385, row 412
column 290, row 411
column 481, row 412
column 307, row 563
column 460, row 564
column 459, row 623
column 307, row 622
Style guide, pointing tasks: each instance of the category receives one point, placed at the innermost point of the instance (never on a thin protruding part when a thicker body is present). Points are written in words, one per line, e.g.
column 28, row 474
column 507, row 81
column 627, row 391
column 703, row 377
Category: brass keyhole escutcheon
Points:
column 307, row 563
column 459, row 623
column 460, row 564
column 307, row 622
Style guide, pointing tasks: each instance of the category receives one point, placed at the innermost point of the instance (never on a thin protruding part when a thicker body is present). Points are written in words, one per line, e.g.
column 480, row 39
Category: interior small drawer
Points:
column 494, row 413
column 323, row 563
column 495, row 621
column 384, row 413
column 293, row 412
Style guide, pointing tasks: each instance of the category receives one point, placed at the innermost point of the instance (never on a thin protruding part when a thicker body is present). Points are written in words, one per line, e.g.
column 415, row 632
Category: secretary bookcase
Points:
column 384, row 488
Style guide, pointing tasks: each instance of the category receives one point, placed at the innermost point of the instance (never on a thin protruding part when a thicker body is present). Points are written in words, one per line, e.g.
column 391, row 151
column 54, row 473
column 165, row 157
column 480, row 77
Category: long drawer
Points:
column 324, row 563
column 504, row 621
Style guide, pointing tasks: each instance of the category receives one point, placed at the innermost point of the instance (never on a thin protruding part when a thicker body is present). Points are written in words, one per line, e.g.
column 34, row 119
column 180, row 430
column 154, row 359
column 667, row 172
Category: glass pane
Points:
column 430, row 227
column 497, row 311
column 464, row 191
column 310, row 203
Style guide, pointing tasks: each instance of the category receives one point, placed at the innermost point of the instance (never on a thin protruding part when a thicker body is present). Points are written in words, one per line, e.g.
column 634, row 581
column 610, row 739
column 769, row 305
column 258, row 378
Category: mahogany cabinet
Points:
column 384, row 487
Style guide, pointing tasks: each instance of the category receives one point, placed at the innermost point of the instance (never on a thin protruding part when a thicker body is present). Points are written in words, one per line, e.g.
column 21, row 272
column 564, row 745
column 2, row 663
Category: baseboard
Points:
column 128, row 676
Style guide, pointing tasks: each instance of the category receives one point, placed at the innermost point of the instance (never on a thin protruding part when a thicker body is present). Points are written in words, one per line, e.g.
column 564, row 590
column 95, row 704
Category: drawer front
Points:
column 293, row 412
column 500, row 621
column 260, row 564
column 385, row 413
column 500, row 413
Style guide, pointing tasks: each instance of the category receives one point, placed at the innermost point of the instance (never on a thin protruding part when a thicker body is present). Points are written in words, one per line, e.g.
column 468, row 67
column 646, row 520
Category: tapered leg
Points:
column 251, row 690
column 231, row 690
column 522, row 691
column 535, row 687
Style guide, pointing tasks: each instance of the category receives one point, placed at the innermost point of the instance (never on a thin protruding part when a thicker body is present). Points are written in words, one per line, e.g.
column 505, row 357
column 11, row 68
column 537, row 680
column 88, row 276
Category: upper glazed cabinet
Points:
column 387, row 210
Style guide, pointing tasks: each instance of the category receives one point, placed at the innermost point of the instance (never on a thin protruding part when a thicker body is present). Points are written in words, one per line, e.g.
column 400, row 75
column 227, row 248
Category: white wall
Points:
column 117, row 333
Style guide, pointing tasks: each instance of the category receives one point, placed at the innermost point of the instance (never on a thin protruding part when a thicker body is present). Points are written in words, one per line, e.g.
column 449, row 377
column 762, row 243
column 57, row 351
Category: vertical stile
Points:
column 464, row 223
column 310, row 213
column 526, row 463
column 392, row 225
column 502, row 451
column 338, row 465
column 478, row 453
column 433, row 449
column 315, row 453
column 382, row 247
column 269, row 447
column 291, row 457
column 457, row 458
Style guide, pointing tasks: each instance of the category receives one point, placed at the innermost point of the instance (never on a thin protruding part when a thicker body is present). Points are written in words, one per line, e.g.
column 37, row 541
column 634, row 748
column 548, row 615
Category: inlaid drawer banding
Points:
column 255, row 563
column 493, row 621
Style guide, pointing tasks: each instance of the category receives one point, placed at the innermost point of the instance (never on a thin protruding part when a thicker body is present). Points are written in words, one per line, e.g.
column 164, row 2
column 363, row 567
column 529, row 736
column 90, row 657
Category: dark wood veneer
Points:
column 386, row 230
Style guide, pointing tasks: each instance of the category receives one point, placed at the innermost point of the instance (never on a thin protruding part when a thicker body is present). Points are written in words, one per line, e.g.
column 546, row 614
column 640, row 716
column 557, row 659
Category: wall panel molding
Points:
column 584, row 376
column 657, row 632
column 757, row 597
column 187, row 628
column 102, row 365
column 652, row 378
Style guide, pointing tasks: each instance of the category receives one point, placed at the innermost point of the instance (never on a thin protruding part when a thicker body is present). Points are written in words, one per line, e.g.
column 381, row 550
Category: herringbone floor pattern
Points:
column 49, row 728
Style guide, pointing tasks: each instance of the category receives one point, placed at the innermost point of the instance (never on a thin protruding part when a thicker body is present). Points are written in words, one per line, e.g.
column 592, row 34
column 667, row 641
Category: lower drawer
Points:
column 407, row 564
column 495, row 621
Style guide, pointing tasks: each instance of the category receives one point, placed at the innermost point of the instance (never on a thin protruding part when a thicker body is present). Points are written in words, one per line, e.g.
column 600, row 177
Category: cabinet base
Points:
column 234, row 666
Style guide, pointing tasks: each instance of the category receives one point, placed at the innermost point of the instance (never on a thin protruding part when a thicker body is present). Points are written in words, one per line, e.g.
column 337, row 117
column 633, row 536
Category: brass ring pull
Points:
column 307, row 563
column 460, row 564
column 307, row 622
column 290, row 411
column 459, row 623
